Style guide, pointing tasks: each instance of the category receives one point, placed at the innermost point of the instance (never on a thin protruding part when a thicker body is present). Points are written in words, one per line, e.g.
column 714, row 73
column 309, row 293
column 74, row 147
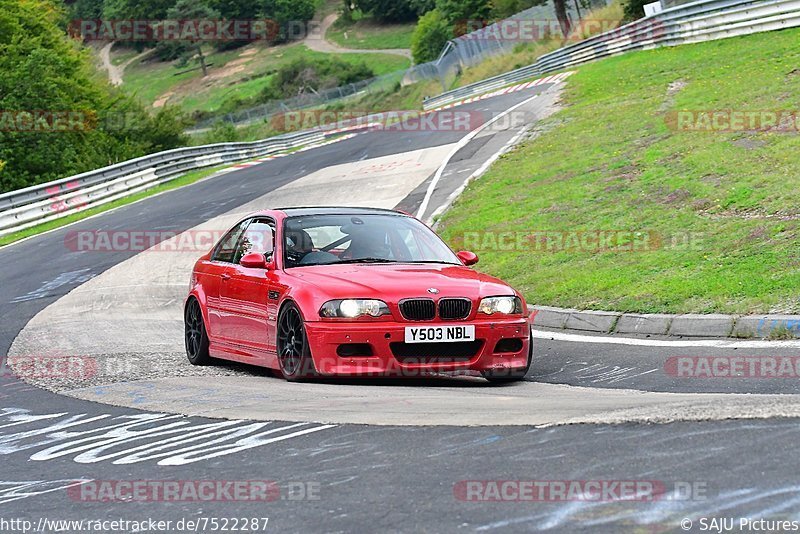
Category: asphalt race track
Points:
column 350, row 455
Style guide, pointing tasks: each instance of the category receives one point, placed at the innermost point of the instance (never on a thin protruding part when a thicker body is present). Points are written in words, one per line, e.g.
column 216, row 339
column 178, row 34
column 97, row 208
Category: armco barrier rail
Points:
column 45, row 202
column 689, row 23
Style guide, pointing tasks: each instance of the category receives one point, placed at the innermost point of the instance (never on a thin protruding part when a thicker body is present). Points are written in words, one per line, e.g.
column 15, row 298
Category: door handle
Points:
column 225, row 276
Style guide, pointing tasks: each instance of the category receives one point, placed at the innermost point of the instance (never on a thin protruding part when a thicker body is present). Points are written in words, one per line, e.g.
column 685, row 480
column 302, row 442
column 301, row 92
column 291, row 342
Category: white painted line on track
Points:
column 703, row 343
column 461, row 144
column 478, row 172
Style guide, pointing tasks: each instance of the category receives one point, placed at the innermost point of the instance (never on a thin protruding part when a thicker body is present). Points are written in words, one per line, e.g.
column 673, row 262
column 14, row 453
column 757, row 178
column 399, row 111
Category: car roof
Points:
column 336, row 210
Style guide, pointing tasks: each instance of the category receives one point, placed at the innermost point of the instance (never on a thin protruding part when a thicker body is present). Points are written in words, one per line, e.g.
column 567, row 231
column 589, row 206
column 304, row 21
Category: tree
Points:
column 561, row 14
column 634, row 9
column 305, row 75
column 236, row 9
column 388, row 10
column 459, row 12
column 86, row 9
column 287, row 13
column 43, row 71
column 430, row 36
column 136, row 9
column 185, row 51
column 421, row 7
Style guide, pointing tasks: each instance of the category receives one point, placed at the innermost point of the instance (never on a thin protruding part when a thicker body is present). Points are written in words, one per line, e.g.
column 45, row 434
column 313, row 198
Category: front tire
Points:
column 196, row 337
column 506, row 376
column 294, row 353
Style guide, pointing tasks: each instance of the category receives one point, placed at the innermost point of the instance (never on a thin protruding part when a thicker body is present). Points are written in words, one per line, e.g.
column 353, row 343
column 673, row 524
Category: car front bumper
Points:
column 379, row 348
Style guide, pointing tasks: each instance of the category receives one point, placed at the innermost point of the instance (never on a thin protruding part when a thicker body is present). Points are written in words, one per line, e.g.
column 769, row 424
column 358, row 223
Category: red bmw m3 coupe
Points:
column 351, row 291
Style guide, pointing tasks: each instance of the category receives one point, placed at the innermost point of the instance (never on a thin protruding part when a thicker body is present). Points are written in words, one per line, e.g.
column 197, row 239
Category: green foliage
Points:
column 430, row 36
column 305, row 75
column 236, row 9
column 634, row 9
column 285, row 11
column 184, row 10
column 41, row 70
column 421, row 7
column 136, row 9
column 86, row 9
column 459, row 12
column 505, row 8
column 221, row 132
column 388, row 10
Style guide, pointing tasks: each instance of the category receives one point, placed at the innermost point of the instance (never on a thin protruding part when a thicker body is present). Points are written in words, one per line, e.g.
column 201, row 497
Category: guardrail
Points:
column 45, row 202
column 689, row 23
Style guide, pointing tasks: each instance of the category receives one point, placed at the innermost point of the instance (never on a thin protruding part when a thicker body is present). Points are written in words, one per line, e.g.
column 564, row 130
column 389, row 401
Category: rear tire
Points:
column 196, row 337
column 506, row 376
column 294, row 354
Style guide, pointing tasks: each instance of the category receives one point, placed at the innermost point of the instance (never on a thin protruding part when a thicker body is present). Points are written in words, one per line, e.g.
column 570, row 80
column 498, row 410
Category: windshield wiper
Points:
column 364, row 260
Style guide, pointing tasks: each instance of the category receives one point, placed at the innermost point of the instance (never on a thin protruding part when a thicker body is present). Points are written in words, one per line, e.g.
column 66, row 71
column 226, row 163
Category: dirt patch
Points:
column 748, row 143
column 229, row 74
column 713, row 179
column 702, row 204
column 754, row 215
column 627, row 173
column 666, row 196
column 672, row 89
column 163, row 99
column 231, row 68
column 757, row 234
column 676, row 86
column 676, row 196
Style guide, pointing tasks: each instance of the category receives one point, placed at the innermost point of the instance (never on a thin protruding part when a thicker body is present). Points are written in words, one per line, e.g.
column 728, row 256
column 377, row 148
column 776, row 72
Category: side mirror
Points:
column 467, row 258
column 253, row 260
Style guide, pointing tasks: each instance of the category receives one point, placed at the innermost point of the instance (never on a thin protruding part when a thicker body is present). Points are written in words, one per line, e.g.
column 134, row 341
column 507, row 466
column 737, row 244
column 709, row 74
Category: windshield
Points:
column 329, row 239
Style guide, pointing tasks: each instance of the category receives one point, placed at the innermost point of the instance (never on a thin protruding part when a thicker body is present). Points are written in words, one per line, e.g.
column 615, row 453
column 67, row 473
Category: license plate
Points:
column 440, row 334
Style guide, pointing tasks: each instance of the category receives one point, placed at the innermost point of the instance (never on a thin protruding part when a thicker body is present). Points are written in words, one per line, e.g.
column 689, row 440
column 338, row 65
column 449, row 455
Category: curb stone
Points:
column 678, row 325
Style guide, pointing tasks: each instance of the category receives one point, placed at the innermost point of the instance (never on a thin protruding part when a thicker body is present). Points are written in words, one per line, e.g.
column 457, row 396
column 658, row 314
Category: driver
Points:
column 368, row 242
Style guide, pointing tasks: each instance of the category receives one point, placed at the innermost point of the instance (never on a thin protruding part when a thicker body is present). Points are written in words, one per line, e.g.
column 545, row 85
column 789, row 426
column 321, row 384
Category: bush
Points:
column 306, row 75
column 461, row 11
column 41, row 70
column 389, row 10
column 634, row 9
column 430, row 36
column 221, row 132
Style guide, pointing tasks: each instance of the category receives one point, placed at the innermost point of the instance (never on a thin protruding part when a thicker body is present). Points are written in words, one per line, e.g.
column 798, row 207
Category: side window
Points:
column 259, row 237
column 227, row 246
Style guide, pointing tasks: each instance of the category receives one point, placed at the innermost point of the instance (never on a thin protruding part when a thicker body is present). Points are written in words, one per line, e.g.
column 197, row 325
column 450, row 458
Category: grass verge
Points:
column 721, row 206
column 366, row 34
column 240, row 74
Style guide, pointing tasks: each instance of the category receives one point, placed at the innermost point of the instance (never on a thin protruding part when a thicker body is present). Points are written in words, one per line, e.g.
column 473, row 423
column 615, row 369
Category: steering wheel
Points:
column 295, row 256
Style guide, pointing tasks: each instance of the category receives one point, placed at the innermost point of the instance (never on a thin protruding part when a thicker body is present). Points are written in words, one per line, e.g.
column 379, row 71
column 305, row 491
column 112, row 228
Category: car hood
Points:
column 394, row 281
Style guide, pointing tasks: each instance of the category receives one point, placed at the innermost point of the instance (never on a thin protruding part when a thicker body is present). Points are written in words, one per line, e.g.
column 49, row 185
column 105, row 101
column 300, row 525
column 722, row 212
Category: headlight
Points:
column 504, row 305
column 352, row 308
